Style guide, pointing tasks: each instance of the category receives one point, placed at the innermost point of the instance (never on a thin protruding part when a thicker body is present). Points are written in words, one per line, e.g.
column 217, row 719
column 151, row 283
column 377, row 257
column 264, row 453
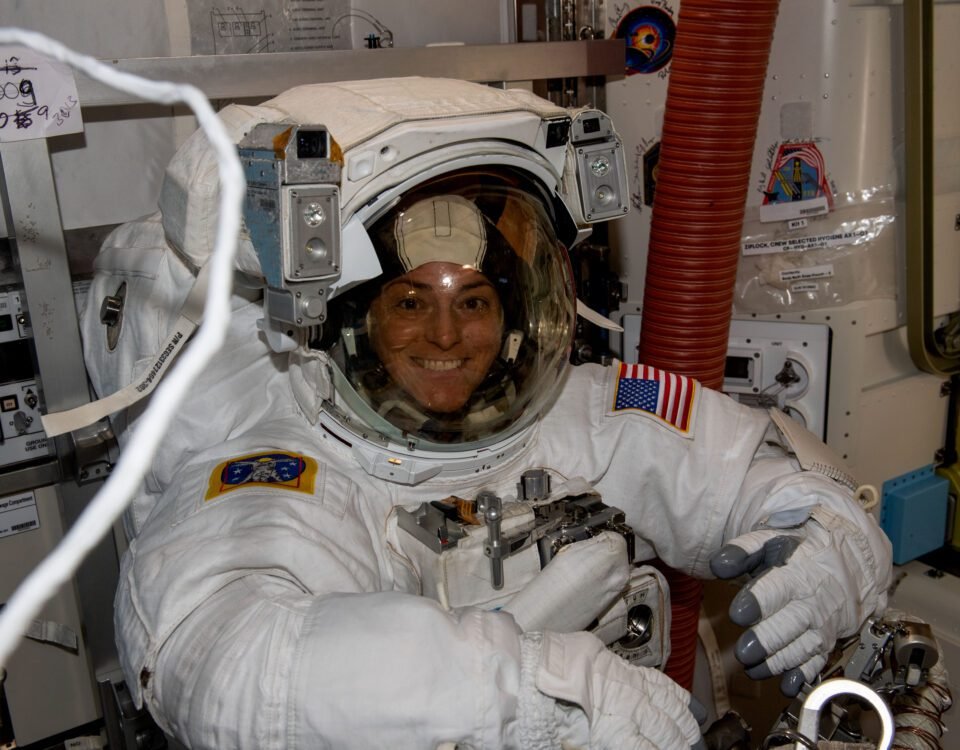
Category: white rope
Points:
column 98, row 518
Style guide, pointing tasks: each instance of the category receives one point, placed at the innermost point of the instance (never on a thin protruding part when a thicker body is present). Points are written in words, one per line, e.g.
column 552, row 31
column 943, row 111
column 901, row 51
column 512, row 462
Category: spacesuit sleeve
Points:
column 777, row 486
column 762, row 480
column 754, row 479
column 687, row 488
column 256, row 619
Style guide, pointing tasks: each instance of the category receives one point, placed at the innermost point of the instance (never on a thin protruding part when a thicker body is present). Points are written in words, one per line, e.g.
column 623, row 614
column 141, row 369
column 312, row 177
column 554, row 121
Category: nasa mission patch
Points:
column 277, row 470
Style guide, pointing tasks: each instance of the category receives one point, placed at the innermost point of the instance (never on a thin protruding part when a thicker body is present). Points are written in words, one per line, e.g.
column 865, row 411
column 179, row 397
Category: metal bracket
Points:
column 95, row 451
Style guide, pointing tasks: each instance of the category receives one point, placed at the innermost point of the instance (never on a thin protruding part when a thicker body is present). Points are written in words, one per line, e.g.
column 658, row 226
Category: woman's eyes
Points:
column 415, row 303
column 475, row 304
column 409, row 303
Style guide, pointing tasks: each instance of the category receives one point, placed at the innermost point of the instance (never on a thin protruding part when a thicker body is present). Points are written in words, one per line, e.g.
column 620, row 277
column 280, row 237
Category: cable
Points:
column 867, row 496
column 98, row 518
column 386, row 34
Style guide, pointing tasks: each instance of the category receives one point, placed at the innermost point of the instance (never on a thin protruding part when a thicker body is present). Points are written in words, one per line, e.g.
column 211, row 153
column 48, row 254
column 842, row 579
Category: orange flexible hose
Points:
column 714, row 95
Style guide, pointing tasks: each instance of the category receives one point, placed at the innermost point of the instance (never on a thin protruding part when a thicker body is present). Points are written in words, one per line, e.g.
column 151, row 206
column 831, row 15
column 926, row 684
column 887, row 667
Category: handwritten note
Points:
column 38, row 96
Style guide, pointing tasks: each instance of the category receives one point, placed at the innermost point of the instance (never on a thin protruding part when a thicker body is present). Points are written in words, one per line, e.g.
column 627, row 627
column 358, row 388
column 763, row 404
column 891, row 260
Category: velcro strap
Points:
column 811, row 452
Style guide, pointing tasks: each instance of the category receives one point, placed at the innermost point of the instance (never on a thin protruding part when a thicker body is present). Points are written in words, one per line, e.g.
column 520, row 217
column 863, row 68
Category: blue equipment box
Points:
column 914, row 513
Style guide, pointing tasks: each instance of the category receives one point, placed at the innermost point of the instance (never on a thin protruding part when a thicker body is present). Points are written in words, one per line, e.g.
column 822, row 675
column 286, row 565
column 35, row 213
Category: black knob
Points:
column 110, row 310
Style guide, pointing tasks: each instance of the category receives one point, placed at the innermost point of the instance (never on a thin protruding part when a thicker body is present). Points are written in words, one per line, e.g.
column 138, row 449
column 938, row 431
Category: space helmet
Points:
column 463, row 337
column 463, row 197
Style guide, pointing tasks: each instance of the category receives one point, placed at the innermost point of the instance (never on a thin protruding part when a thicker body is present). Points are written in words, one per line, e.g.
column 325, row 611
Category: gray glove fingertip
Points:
column 749, row 651
column 698, row 710
column 745, row 609
column 778, row 550
column 791, row 682
column 700, row 744
column 732, row 561
column 759, row 672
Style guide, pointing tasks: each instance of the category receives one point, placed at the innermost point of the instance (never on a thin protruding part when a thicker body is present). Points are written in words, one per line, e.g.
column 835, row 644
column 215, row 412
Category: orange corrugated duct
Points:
column 714, row 96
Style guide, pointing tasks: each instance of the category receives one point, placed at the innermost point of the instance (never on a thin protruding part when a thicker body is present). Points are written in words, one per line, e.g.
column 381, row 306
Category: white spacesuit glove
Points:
column 579, row 583
column 615, row 705
column 817, row 577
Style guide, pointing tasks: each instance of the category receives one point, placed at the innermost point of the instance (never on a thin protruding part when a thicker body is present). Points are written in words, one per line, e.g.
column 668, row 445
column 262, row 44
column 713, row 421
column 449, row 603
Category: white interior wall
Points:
column 416, row 23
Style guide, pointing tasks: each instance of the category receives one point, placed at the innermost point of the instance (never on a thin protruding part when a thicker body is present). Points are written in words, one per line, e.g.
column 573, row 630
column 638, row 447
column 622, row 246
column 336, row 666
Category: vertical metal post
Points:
column 33, row 219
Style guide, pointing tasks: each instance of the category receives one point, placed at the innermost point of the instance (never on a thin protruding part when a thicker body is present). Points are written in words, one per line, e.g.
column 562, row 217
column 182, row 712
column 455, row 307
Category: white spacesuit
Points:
column 273, row 595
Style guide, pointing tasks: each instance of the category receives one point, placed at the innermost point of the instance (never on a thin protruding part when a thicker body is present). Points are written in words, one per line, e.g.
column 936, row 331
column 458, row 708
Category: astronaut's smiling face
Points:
column 437, row 330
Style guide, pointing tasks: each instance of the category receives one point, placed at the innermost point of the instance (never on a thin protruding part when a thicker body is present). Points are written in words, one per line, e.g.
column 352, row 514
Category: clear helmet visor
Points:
column 463, row 338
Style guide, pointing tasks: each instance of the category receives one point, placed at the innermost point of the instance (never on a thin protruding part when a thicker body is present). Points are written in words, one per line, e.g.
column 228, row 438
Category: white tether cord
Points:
column 99, row 516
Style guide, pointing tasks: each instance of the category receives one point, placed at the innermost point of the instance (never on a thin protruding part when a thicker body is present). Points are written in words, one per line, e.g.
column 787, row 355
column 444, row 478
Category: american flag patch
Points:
column 665, row 395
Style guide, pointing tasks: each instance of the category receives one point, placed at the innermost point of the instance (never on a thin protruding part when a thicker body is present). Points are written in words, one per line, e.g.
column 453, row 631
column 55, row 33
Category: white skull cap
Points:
column 445, row 228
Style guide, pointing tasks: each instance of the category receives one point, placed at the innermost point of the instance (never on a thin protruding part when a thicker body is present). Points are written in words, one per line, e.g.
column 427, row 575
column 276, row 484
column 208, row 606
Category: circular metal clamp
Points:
column 826, row 691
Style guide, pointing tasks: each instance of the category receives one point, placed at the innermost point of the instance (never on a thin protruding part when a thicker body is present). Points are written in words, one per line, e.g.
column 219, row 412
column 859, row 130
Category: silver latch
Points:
column 111, row 315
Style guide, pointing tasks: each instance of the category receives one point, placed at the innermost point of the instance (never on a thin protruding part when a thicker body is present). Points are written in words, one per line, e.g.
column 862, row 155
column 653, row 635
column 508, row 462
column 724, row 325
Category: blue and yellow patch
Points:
column 289, row 471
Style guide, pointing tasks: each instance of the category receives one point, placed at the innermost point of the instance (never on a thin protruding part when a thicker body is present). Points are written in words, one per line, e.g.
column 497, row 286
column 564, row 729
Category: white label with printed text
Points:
column 18, row 513
column 811, row 272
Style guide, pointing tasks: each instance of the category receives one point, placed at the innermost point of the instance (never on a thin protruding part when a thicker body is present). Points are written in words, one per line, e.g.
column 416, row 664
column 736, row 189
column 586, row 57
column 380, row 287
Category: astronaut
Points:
column 270, row 597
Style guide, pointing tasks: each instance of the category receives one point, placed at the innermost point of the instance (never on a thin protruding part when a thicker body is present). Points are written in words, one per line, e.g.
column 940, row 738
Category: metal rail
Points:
column 267, row 74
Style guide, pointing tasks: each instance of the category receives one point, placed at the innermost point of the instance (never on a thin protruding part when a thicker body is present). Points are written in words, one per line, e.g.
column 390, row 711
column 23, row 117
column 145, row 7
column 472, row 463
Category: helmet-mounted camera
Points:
column 292, row 213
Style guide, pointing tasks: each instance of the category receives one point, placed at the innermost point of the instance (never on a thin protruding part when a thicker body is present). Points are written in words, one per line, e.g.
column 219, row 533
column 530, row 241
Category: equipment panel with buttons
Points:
column 14, row 324
column 21, row 434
